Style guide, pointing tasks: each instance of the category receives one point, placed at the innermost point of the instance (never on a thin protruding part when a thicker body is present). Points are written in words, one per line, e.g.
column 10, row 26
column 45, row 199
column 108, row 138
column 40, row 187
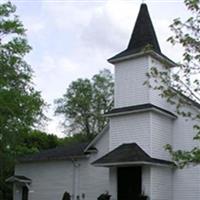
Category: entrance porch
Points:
column 21, row 186
column 135, row 175
column 130, row 182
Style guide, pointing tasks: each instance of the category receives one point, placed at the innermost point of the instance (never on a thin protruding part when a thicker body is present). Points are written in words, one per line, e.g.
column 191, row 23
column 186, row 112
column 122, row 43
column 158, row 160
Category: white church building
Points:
column 127, row 158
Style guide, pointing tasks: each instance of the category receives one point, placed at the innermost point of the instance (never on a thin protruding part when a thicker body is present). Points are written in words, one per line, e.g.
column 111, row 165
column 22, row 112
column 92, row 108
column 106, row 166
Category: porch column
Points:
column 146, row 180
column 17, row 192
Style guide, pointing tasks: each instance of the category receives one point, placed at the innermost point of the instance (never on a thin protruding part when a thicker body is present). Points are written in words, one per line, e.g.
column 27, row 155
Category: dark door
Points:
column 24, row 193
column 129, row 183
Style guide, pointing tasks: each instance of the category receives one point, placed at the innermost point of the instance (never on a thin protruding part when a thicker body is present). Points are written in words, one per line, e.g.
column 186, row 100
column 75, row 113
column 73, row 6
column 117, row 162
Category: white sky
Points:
column 73, row 39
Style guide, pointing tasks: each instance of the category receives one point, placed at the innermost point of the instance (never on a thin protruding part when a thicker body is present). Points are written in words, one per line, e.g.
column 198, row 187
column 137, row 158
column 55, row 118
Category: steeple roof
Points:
column 143, row 37
column 143, row 32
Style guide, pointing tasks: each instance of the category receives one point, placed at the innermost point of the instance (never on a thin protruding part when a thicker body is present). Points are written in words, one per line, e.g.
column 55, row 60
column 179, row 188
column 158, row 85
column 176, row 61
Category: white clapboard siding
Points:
column 51, row 179
column 129, row 78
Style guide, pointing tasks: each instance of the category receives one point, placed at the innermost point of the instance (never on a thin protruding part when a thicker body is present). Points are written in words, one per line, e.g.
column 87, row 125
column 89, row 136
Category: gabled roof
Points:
column 72, row 151
column 188, row 99
column 143, row 39
column 129, row 154
column 138, row 108
column 18, row 178
column 90, row 146
column 59, row 153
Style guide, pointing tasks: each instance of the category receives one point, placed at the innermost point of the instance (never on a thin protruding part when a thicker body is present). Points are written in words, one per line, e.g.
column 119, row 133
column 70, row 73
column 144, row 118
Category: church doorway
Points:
column 129, row 183
column 24, row 193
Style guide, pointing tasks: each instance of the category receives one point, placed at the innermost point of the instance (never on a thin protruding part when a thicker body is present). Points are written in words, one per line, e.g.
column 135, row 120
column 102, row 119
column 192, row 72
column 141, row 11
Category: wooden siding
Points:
column 51, row 179
column 129, row 78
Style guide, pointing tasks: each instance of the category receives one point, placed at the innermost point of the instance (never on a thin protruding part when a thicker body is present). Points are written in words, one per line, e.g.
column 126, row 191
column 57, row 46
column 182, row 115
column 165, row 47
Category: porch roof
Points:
column 129, row 154
column 19, row 179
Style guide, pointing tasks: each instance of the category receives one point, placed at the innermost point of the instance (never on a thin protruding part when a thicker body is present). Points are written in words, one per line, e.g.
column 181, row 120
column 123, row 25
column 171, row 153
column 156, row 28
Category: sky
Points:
column 74, row 39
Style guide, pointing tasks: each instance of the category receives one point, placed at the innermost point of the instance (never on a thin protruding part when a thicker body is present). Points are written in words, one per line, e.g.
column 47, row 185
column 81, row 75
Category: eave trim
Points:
column 139, row 108
column 132, row 163
column 152, row 53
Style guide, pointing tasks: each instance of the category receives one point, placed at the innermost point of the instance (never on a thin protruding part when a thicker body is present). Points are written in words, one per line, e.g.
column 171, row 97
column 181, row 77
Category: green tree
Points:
column 181, row 85
column 20, row 104
column 34, row 141
column 84, row 103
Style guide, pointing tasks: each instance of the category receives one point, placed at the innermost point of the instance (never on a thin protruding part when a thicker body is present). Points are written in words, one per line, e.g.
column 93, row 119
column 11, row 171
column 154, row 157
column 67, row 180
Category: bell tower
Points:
column 132, row 64
column 137, row 106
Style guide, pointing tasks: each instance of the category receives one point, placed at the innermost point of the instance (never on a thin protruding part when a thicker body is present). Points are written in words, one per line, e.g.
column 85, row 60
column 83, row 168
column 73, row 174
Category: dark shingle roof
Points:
column 18, row 178
column 59, row 153
column 143, row 32
column 140, row 107
column 128, row 154
column 143, row 35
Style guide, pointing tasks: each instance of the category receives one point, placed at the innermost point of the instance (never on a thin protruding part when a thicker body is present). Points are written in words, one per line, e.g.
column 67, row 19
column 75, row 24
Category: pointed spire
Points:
column 143, row 34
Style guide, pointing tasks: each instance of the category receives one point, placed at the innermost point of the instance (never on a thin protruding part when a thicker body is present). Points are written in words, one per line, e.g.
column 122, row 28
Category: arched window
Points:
column 24, row 193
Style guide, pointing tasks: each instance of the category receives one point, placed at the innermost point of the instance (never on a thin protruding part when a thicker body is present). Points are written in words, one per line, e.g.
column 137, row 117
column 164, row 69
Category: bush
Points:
column 104, row 196
column 66, row 196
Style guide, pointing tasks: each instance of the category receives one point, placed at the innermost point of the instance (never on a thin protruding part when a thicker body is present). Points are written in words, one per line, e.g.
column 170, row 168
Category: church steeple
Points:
column 143, row 34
